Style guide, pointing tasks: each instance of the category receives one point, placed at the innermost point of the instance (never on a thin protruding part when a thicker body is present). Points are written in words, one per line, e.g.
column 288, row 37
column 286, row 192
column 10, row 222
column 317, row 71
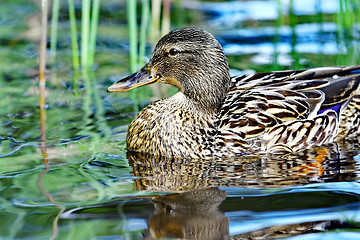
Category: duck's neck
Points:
column 195, row 107
column 206, row 84
column 205, row 94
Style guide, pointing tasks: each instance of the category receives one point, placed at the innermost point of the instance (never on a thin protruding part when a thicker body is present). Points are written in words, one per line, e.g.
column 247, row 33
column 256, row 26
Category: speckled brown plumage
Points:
column 172, row 129
column 215, row 116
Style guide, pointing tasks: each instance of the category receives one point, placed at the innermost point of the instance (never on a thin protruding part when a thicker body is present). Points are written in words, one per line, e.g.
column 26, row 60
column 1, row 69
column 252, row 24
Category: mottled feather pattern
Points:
column 297, row 135
column 245, row 116
column 350, row 119
column 271, row 112
column 278, row 113
column 173, row 129
column 214, row 115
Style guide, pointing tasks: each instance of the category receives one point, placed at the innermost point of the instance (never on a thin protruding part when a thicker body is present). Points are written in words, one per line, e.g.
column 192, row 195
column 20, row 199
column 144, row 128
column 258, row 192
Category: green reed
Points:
column 145, row 15
column 89, row 23
column 54, row 29
column 74, row 44
column 156, row 31
column 133, row 46
column 85, row 32
column 138, row 40
column 155, row 21
column 348, row 15
column 132, row 29
column 138, row 36
column 93, row 30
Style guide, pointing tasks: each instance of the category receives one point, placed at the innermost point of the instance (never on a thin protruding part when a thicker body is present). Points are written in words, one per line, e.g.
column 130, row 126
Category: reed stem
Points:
column 165, row 27
column 42, row 78
column 133, row 41
column 143, row 30
column 54, row 29
column 155, row 21
column 74, row 44
column 94, row 25
column 85, row 29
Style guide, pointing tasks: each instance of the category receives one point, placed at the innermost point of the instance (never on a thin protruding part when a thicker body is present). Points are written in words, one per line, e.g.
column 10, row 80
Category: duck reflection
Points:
column 325, row 164
column 192, row 212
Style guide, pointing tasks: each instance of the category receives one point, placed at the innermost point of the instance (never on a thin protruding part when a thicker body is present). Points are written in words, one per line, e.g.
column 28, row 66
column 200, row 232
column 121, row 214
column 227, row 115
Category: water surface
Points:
column 95, row 189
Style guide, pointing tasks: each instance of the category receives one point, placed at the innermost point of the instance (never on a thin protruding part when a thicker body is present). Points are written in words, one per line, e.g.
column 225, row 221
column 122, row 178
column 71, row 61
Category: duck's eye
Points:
column 173, row 51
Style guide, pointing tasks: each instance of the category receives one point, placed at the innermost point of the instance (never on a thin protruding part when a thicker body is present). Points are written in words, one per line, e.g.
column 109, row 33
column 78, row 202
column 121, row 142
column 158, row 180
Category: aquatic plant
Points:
column 348, row 14
column 74, row 44
column 138, row 40
column 54, row 29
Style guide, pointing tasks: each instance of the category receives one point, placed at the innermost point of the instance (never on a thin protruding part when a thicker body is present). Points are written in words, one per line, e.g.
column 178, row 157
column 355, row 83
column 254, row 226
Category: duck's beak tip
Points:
column 111, row 89
column 141, row 78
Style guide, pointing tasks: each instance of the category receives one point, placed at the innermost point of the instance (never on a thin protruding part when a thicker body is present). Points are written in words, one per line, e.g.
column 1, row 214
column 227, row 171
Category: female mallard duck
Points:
column 213, row 114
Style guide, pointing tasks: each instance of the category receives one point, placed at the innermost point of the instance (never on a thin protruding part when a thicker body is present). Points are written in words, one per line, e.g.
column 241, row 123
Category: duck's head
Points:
column 191, row 60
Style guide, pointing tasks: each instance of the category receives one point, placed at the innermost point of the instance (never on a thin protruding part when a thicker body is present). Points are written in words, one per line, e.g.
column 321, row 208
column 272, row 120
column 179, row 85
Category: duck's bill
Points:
column 141, row 78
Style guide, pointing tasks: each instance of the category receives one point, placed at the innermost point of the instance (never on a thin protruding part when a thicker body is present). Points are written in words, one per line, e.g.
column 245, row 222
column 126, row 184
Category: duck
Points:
column 214, row 115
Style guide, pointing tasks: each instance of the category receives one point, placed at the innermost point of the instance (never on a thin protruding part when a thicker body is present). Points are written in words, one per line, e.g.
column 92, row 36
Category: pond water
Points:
column 95, row 189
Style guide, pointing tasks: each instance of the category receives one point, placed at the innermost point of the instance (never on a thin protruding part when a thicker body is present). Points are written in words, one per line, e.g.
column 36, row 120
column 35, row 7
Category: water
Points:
column 95, row 189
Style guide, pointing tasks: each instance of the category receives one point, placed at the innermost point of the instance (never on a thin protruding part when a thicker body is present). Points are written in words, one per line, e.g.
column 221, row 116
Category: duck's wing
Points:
column 282, row 104
column 301, row 134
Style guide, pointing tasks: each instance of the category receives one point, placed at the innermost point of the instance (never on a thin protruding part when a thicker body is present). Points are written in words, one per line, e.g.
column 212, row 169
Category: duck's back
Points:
column 288, row 110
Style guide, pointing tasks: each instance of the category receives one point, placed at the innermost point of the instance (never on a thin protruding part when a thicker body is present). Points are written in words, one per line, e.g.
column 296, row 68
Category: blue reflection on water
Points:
column 328, row 236
column 308, row 40
column 312, row 38
column 229, row 14
column 243, row 221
